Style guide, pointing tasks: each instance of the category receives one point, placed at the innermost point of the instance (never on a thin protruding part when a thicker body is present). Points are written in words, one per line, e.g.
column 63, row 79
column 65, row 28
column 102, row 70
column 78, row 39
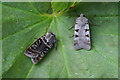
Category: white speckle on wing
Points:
column 87, row 33
column 76, row 33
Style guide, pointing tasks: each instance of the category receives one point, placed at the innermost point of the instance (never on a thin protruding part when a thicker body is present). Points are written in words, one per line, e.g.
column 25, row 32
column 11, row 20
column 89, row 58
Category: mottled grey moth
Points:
column 82, row 33
column 40, row 47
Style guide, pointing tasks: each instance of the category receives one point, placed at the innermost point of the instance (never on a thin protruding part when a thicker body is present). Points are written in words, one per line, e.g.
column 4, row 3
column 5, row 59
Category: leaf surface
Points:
column 23, row 22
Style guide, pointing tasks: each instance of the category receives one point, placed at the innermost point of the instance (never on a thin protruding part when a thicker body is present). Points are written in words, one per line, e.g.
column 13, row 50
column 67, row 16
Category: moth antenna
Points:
column 76, row 13
column 49, row 8
column 48, row 28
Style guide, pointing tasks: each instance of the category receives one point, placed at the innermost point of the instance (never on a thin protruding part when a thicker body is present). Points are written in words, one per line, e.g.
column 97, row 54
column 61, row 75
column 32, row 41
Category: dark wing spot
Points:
column 86, row 30
column 33, row 58
column 83, row 15
column 28, row 53
column 48, row 43
column 37, row 58
column 53, row 34
column 36, row 43
column 45, row 40
column 75, row 43
column 43, row 53
column 76, row 30
column 87, row 35
column 39, row 55
column 33, row 46
column 76, row 23
column 76, row 36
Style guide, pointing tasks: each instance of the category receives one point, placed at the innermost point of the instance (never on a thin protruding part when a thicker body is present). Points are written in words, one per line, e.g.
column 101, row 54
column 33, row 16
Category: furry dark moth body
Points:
column 40, row 47
column 82, row 33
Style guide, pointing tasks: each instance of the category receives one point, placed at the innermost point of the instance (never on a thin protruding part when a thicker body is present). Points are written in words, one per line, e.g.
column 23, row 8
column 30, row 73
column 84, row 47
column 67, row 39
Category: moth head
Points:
column 50, row 37
column 48, row 34
column 82, row 15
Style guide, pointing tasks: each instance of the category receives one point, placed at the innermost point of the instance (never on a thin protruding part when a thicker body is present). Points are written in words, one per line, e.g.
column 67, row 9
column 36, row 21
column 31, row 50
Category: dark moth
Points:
column 41, row 47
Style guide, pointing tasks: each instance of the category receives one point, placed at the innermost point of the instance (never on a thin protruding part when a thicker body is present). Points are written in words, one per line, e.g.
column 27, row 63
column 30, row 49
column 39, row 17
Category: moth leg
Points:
column 76, row 13
column 92, row 23
column 55, row 44
column 72, row 36
column 69, row 15
column 71, row 27
column 92, row 17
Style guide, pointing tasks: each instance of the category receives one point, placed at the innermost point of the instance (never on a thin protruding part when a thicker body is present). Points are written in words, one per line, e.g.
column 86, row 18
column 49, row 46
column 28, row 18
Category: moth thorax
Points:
column 50, row 38
column 85, row 20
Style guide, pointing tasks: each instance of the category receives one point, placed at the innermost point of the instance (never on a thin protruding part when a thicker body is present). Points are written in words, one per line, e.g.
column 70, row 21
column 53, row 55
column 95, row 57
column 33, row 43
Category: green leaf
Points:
column 60, row 6
column 23, row 22
column 0, row 41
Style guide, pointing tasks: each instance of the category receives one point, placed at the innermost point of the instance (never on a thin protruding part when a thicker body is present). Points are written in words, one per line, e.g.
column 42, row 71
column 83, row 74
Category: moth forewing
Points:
column 82, row 33
column 31, row 51
column 41, row 47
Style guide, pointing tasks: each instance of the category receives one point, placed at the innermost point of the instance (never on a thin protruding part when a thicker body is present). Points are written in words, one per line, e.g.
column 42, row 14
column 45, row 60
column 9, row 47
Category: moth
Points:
column 82, row 33
column 41, row 47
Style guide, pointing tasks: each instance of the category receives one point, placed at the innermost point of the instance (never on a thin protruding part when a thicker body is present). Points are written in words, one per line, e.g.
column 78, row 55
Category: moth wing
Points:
column 35, row 60
column 84, row 38
column 76, row 36
column 27, row 53
column 30, row 53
